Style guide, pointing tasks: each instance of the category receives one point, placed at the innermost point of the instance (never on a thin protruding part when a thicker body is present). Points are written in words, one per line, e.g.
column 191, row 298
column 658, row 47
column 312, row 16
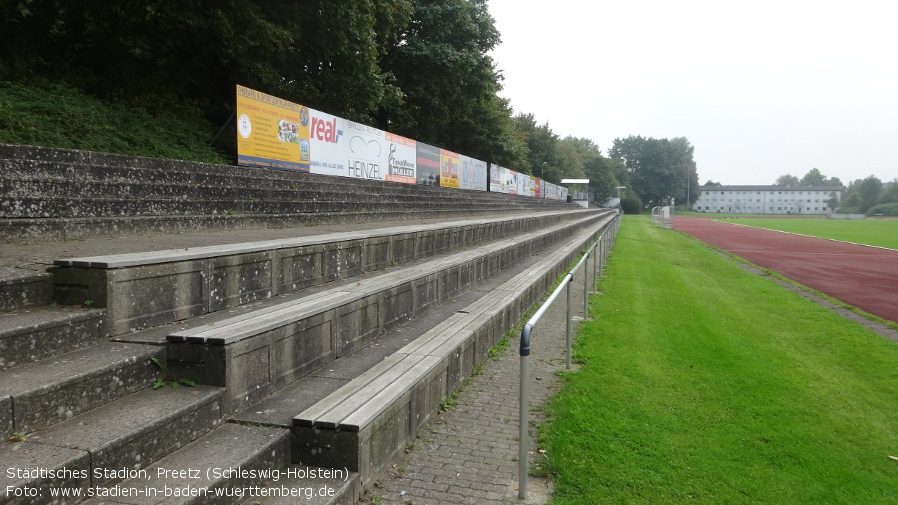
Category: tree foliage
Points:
column 813, row 178
column 449, row 83
column 542, row 147
column 160, row 53
column 863, row 195
column 658, row 170
column 786, row 180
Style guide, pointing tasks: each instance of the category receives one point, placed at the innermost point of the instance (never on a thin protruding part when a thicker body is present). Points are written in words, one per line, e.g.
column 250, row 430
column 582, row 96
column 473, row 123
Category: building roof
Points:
column 771, row 188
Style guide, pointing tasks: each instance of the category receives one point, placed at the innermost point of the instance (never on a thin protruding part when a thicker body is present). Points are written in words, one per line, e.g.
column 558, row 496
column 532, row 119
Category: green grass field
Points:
column 702, row 383
column 879, row 232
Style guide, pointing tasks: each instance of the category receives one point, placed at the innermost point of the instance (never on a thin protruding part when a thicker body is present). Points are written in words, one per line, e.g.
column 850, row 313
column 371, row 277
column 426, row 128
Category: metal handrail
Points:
column 605, row 239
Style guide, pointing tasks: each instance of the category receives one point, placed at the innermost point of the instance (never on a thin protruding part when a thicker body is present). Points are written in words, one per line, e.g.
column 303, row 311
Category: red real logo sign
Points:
column 326, row 131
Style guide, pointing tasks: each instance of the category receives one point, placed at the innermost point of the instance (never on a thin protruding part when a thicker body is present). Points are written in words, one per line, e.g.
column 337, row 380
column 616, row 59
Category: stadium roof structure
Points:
column 574, row 181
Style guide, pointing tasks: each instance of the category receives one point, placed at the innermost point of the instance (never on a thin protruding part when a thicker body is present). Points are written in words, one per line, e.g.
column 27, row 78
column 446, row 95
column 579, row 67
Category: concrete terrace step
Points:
column 367, row 421
column 23, row 289
column 80, row 184
column 43, row 332
column 127, row 434
column 258, row 352
column 98, row 168
column 106, row 207
column 39, row 394
column 145, row 289
column 226, row 465
column 108, row 194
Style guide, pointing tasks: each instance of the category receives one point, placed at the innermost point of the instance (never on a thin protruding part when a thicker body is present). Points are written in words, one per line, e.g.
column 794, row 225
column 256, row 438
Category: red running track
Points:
column 865, row 277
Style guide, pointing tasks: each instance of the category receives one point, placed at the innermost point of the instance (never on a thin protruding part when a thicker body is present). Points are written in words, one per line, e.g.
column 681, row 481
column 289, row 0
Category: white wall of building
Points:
column 766, row 199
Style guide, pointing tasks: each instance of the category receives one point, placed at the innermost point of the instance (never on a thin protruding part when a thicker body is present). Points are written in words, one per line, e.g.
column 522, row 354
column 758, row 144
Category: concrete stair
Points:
column 56, row 194
column 104, row 408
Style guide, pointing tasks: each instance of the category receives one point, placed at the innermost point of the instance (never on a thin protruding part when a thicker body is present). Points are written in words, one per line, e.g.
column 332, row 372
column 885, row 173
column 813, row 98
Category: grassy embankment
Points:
column 57, row 115
column 702, row 383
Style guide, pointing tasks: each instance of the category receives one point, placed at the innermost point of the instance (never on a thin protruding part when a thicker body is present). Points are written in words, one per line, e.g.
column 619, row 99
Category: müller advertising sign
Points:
column 401, row 155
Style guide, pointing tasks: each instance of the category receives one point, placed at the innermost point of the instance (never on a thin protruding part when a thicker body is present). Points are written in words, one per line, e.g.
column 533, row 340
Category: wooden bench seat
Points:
column 255, row 353
column 366, row 422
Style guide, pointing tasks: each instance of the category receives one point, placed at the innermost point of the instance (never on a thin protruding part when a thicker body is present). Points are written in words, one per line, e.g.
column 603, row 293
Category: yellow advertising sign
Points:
column 271, row 132
column 448, row 169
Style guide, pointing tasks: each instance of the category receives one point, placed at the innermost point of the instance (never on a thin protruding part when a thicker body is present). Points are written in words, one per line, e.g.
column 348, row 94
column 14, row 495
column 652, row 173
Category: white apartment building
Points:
column 767, row 199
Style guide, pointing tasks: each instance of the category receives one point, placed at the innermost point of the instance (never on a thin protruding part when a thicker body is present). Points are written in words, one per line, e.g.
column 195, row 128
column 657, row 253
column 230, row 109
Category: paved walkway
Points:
column 469, row 454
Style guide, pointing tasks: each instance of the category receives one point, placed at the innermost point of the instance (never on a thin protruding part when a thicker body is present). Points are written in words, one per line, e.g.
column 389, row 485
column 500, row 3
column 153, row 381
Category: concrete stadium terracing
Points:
column 318, row 352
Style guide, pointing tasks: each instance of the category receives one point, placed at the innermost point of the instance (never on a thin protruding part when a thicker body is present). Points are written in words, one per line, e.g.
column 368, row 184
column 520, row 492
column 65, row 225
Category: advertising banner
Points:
column 448, row 169
column 367, row 152
column 538, row 188
column 401, row 154
column 427, row 164
column 271, row 132
column 327, row 139
column 497, row 175
column 472, row 173
column 510, row 182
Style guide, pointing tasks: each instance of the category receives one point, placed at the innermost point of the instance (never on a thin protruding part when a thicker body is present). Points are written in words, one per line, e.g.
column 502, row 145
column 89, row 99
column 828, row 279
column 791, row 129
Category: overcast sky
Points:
column 759, row 88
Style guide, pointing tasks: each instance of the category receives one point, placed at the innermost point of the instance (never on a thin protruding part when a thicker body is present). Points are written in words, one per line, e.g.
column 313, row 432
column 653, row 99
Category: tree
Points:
column 713, row 184
column 787, row 180
column 602, row 182
column 833, row 201
column 813, row 178
column 889, row 192
column 869, row 191
column 542, row 147
column 165, row 55
column 658, row 169
column 449, row 83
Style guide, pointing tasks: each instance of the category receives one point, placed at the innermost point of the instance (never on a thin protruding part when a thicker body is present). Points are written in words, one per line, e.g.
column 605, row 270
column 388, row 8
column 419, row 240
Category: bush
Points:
column 884, row 209
column 631, row 203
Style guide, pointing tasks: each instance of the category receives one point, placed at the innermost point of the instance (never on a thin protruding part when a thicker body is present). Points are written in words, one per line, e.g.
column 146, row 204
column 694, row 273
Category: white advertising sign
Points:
column 327, row 136
column 366, row 152
column 472, row 174
column 401, row 154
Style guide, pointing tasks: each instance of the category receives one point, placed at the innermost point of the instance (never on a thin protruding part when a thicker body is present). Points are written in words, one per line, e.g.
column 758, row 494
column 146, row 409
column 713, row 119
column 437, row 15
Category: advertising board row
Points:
column 275, row 133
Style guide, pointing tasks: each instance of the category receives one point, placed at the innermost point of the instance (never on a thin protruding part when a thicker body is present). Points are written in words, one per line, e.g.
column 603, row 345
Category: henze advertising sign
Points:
column 472, row 173
column 327, row 138
column 427, row 164
column 367, row 154
column 401, row 158
column 271, row 132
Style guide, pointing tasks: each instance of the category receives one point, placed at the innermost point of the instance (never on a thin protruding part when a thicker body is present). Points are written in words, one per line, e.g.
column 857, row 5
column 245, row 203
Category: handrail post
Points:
column 568, row 330
column 595, row 268
column 523, row 421
column 586, row 287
